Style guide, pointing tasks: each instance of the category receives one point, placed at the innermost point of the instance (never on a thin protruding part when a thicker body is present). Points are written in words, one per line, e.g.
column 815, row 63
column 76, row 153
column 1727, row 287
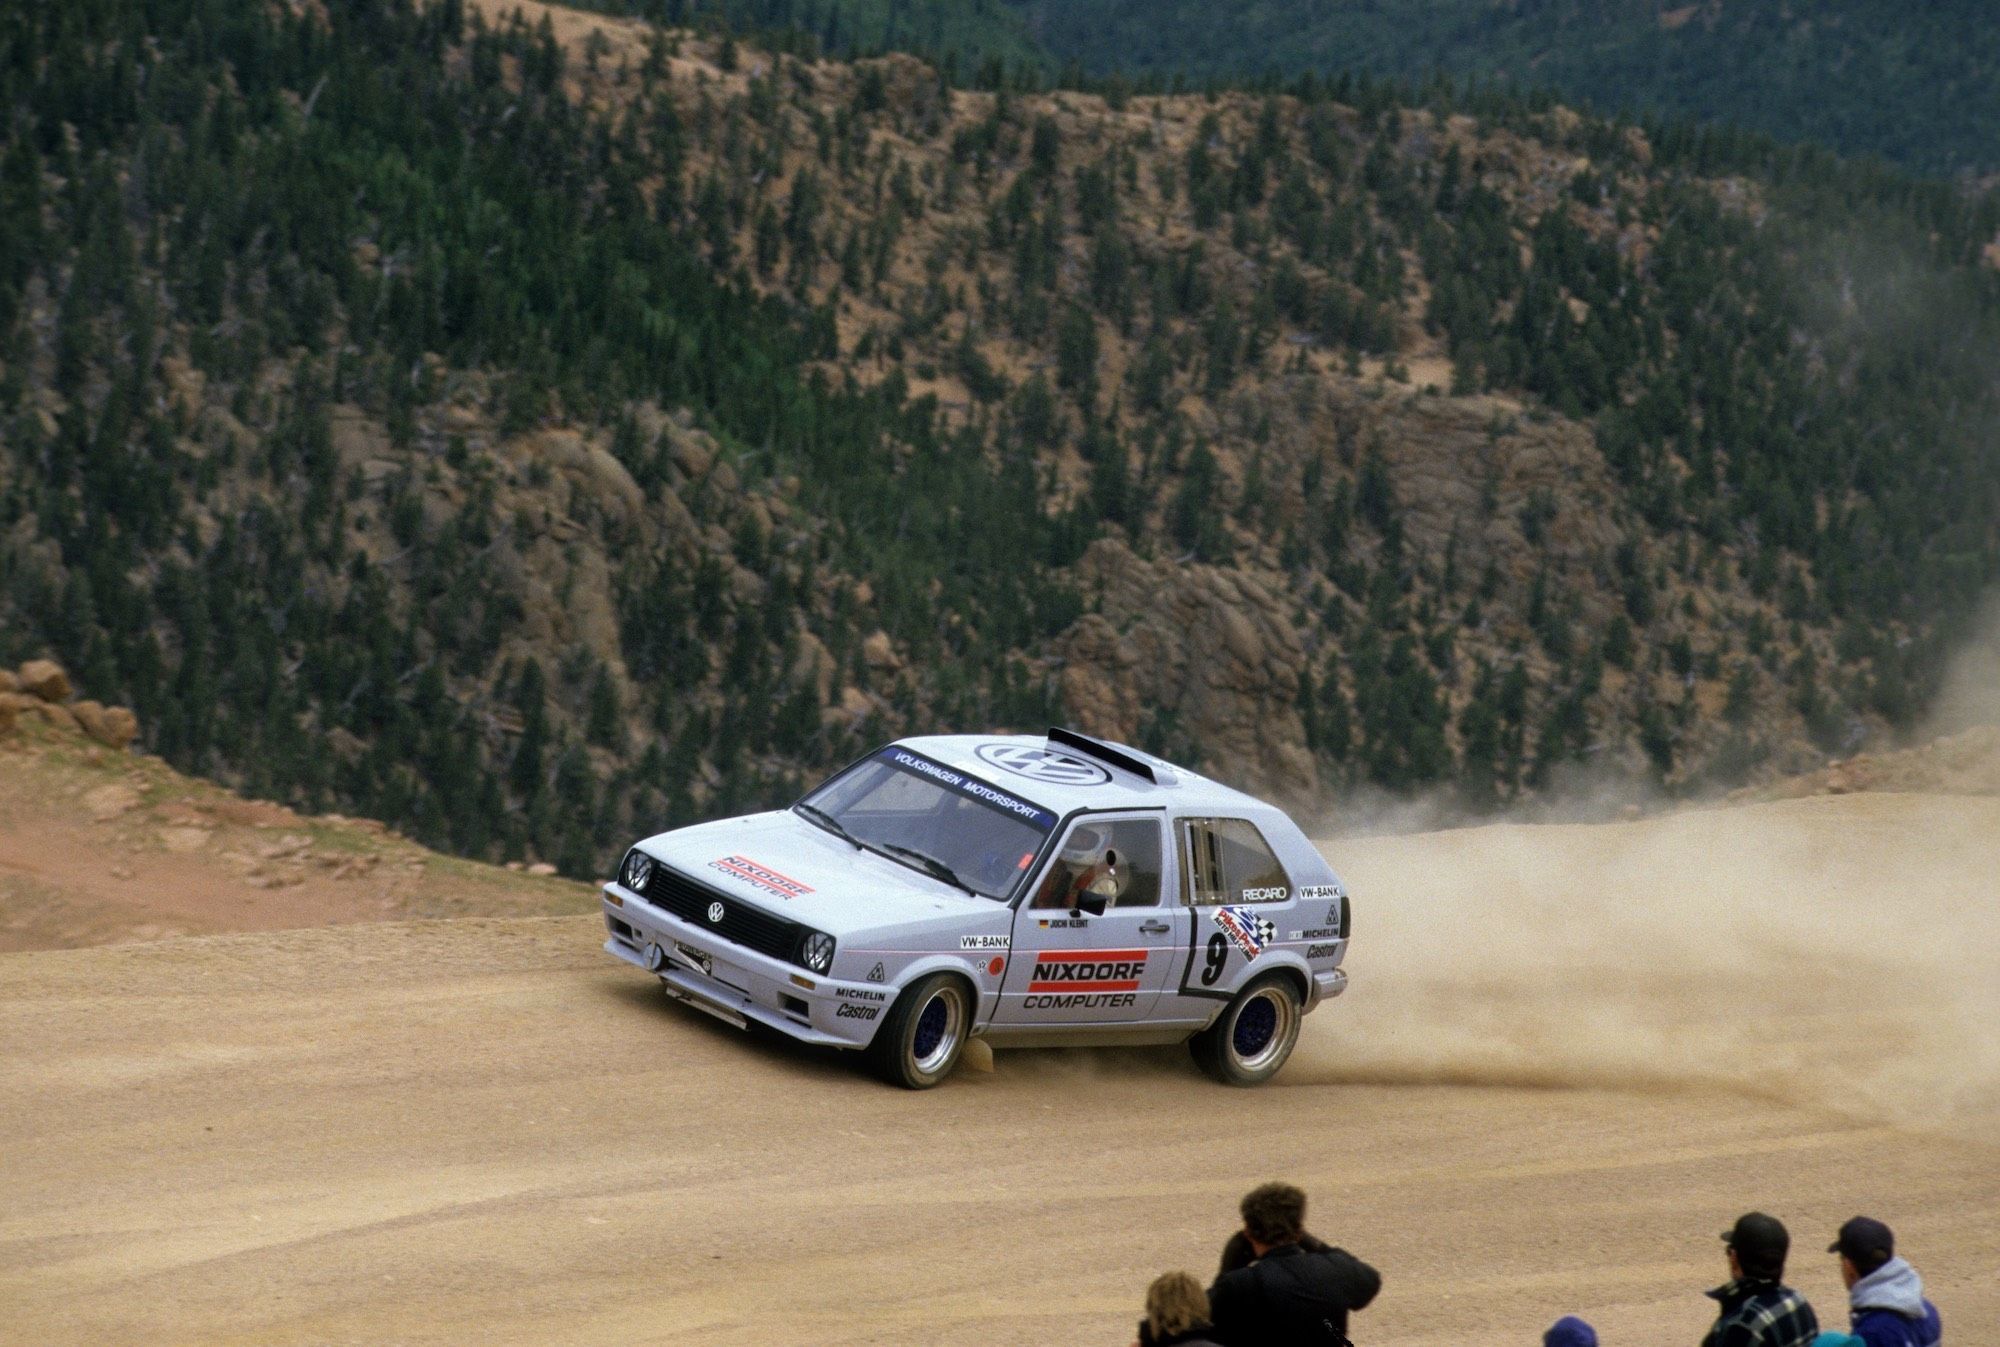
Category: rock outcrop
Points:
column 45, row 679
column 1174, row 651
column 112, row 726
column 42, row 687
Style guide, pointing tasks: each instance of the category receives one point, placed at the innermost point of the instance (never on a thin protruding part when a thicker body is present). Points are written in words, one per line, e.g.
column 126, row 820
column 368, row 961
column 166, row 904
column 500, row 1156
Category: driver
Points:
column 1086, row 864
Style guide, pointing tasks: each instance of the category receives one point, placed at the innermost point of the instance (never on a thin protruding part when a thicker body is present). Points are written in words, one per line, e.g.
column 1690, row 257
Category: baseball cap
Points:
column 1757, row 1237
column 1862, row 1238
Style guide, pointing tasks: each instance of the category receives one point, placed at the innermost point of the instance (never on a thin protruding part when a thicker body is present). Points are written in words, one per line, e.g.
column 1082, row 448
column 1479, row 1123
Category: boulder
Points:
column 8, row 717
column 46, row 679
column 112, row 726
column 58, row 716
column 9, row 683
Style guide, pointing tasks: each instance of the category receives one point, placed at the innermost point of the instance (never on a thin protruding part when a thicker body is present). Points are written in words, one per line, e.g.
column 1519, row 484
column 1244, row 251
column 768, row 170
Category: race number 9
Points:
column 1218, row 955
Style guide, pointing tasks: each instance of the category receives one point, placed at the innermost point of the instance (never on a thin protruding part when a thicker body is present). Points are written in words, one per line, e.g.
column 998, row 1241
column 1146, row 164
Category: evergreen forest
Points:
column 1910, row 83
column 539, row 429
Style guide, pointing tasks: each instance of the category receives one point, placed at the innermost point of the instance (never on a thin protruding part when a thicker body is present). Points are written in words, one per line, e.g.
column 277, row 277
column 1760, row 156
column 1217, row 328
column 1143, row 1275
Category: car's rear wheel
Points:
column 919, row 1044
column 1252, row 1039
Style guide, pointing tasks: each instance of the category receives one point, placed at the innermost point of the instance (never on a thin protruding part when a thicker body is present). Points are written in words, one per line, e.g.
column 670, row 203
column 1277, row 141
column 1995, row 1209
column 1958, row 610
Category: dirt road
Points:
column 1570, row 1057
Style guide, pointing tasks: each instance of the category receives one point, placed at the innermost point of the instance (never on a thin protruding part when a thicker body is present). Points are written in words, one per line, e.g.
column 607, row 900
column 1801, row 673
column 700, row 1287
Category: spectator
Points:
column 1885, row 1295
column 1289, row 1295
column 1570, row 1331
column 1176, row 1313
column 1758, row 1310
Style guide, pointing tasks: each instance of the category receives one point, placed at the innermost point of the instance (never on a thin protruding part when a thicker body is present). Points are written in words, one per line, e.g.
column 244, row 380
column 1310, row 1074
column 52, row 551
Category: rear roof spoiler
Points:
column 1115, row 755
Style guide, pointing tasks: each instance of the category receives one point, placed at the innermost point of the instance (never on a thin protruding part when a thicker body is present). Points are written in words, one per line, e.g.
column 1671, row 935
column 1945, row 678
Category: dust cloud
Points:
column 1840, row 953
column 1970, row 696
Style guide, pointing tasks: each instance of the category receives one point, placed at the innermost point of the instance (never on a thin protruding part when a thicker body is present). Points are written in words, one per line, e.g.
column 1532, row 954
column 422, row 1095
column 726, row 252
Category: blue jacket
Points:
column 1888, row 1309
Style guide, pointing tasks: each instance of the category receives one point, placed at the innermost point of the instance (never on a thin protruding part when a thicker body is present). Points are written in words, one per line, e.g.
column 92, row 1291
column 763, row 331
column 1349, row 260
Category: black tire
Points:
column 919, row 1043
column 1252, row 1039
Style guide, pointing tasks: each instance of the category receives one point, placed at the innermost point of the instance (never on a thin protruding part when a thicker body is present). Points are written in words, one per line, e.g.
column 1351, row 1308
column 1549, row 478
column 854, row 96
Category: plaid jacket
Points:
column 1761, row 1314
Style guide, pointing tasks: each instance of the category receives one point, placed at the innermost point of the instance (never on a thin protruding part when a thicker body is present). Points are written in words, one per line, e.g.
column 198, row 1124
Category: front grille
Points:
column 741, row 924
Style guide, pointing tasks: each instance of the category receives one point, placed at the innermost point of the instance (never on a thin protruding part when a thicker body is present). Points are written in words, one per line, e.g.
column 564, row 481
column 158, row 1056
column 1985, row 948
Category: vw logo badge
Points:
column 1039, row 764
column 715, row 911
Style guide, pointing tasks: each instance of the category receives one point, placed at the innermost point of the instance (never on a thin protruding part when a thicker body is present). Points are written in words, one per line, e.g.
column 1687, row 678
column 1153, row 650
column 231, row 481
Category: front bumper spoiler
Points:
column 739, row 986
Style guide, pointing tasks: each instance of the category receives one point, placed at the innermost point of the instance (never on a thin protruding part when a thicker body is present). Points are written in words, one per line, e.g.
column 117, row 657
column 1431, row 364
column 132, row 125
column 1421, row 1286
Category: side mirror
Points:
column 1093, row 903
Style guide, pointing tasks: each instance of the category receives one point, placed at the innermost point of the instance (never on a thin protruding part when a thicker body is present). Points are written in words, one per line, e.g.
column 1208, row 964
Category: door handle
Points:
column 1150, row 927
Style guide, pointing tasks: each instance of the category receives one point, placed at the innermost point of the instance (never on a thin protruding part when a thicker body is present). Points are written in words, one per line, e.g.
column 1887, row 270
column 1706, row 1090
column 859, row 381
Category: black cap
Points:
column 1865, row 1241
column 1759, row 1240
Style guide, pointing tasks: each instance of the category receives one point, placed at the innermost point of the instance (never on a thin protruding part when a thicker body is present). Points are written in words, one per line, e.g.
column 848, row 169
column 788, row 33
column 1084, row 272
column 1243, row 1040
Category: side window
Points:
column 1228, row 861
column 1117, row 860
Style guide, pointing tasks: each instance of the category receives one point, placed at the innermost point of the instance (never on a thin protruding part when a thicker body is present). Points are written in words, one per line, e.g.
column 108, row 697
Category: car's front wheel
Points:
column 919, row 1043
column 1252, row 1038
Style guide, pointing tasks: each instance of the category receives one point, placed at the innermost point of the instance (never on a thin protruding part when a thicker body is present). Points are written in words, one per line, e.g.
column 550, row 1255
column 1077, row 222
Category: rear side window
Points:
column 1228, row 861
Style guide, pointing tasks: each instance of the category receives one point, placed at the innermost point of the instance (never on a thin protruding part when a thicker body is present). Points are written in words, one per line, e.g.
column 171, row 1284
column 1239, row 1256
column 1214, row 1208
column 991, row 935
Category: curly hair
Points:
column 1274, row 1213
column 1175, row 1303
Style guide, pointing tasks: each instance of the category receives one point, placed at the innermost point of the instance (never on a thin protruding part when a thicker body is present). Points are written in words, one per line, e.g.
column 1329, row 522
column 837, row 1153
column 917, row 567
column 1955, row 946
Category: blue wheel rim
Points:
column 1254, row 1027
column 930, row 1028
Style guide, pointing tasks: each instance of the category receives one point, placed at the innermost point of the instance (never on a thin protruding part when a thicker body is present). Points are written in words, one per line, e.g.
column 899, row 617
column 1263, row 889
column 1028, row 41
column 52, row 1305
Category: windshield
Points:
column 931, row 818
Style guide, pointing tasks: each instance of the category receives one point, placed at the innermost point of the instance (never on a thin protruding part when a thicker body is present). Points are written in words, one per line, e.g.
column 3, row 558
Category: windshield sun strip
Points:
column 1003, row 803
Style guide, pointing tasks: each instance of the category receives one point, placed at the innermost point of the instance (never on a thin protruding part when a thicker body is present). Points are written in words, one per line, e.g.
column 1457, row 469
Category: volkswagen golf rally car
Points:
column 1024, row 890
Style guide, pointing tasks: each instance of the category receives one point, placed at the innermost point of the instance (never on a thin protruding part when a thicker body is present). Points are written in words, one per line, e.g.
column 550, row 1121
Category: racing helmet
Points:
column 1085, row 845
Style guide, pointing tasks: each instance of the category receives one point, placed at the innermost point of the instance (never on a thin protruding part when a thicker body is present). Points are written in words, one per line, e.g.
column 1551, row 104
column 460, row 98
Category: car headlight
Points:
column 638, row 870
column 818, row 951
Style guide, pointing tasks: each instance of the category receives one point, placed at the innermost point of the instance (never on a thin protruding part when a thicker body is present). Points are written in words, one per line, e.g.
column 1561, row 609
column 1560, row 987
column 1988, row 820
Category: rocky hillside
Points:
column 1911, row 83
column 102, row 844
column 534, row 428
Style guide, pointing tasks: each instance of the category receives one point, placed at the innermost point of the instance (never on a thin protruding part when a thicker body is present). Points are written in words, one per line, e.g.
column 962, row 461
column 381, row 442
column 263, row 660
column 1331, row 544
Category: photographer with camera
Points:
column 1280, row 1287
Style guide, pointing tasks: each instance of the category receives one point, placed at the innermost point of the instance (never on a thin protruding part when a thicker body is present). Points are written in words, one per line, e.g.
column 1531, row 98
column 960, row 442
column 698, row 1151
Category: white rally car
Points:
column 1024, row 890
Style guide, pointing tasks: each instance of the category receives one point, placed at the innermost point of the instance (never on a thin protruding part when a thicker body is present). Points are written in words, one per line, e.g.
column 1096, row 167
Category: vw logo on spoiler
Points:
column 1039, row 764
column 715, row 911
